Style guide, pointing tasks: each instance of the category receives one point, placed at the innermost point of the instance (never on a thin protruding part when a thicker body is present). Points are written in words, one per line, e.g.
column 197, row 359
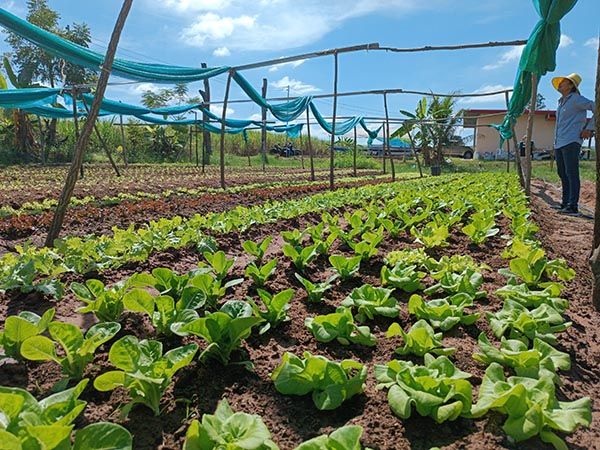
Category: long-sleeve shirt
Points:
column 571, row 119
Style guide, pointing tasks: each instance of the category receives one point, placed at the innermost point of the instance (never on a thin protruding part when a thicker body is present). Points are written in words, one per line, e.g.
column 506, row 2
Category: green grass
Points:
column 541, row 169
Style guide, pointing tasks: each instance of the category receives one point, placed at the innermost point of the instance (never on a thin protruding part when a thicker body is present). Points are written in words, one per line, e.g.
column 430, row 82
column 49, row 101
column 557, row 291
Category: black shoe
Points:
column 559, row 207
column 569, row 211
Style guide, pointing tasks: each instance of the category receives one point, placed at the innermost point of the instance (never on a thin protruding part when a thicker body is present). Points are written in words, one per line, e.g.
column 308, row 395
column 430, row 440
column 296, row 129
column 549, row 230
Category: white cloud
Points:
column 212, row 27
column 565, row 41
column 292, row 64
column 218, row 110
column 507, row 57
column 498, row 98
column 221, row 52
column 272, row 24
column 139, row 89
column 592, row 42
column 255, row 117
column 296, row 87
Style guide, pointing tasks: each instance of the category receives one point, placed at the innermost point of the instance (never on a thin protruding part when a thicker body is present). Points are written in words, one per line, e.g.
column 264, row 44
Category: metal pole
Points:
column 310, row 147
column 123, row 141
column 387, row 128
column 224, row 118
column 76, row 124
column 331, row 150
column 529, row 135
column 263, row 134
column 354, row 155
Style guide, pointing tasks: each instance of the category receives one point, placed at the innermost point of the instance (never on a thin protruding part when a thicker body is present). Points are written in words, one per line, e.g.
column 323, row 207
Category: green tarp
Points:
column 126, row 109
column 539, row 58
column 27, row 98
column 85, row 57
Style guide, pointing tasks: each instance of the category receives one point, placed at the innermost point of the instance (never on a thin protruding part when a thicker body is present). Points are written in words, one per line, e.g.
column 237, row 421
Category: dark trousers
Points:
column 567, row 163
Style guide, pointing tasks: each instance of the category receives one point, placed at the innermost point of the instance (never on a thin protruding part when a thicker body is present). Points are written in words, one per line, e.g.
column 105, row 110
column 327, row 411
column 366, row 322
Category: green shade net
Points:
column 233, row 123
column 539, row 58
column 126, row 109
column 293, row 131
column 85, row 57
column 26, row 98
column 52, row 112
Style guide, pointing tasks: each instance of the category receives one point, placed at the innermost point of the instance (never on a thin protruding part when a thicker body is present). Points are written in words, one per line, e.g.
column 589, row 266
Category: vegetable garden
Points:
column 416, row 314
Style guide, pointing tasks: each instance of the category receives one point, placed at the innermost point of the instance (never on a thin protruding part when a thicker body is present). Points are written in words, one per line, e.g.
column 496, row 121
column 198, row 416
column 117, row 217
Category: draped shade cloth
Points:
column 126, row 109
column 26, row 98
column 85, row 57
column 538, row 58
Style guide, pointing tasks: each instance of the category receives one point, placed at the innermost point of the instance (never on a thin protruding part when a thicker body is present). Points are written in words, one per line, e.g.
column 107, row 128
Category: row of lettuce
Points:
column 527, row 323
column 37, row 207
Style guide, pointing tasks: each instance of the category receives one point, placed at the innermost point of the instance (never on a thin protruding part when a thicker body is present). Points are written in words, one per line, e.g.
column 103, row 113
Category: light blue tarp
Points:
column 126, row 109
column 85, row 57
column 52, row 112
column 341, row 128
column 293, row 131
column 27, row 98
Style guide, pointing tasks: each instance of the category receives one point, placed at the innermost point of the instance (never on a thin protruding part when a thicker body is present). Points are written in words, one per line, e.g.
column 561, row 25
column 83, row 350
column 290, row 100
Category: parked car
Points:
column 458, row 151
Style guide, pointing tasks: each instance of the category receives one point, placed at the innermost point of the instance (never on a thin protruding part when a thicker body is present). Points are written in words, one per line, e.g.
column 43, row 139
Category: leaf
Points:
column 39, row 348
column 103, row 436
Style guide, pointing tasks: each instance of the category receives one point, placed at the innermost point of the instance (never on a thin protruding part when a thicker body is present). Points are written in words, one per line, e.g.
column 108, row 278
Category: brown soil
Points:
column 198, row 388
column 551, row 193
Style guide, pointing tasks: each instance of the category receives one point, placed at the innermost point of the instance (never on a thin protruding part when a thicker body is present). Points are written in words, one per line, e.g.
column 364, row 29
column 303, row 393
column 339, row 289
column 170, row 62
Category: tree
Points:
column 540, row 103
column 33, row 65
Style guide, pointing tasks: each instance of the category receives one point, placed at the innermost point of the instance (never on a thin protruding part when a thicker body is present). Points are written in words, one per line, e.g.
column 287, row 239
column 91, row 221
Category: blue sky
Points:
column 234, row 32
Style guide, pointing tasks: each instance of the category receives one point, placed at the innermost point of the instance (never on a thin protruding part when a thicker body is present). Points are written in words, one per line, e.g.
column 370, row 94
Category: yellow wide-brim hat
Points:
column 573, row 78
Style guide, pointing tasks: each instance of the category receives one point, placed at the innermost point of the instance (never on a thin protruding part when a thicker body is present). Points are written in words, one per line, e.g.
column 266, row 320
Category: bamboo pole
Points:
column 302, row 151
column 518, row 165
column 191, row 144
column 383, row 153
column 206, row 135
column 429, row 48
column 224, row 118
column 83, row 140
column 42, row 140
column 123, row 141
column 196, row 139
column 263, row 134
column 387, row 128
column 310, row 147
column 529, row 135
column 332, row 150
column 354, row 153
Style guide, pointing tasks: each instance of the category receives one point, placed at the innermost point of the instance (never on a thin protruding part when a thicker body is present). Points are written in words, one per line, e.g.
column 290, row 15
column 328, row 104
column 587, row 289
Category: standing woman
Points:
column 571, row 129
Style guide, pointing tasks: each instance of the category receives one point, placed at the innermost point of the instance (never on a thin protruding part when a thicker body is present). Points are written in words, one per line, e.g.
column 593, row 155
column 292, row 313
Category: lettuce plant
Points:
column 405, row 278
column 219, row 263
column 467, row 282
column 409, row 257
column 481, row 227
column 367, row 247
column 344, row 438
column 48, row 424
column 257, row 249
column 166, row 315
column 226, row 429
column 431, row 235
column 224, row 330
column 77, row 349
column 331, row 383
column 294, row 237
column 346, row 268
column 453, row 264
column 341, row 327
column 323, row 245
column 300, row 258
column 371, row 301
column 531, row 406
column 524, row 324
column 105, row 303
column 530, row 298
column 315, row 291
column 273, row 309
column 436, row 389
column 260, row 274
column 531, row 265
column 20, row 327
column 143, row 370
column 206, row 290
column 526, row 362
column 444, row 313
column 419, row 340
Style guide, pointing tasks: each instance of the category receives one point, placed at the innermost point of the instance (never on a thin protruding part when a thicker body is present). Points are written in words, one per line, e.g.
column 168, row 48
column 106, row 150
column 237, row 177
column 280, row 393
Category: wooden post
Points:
column 84, row 139
column 206, row 135
column 123, row 141
column 412, row 144
column 529, row 135
column 191, row 144
column 263, row 131
column 42, row 141
column 518, row 165
column 310, row 147
column 595, row 257
column 387, row 132
column 76, row 126
column 224, row 118
column 355, row 151
column 302, row 151
column 331, row 149
column 103, row 144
